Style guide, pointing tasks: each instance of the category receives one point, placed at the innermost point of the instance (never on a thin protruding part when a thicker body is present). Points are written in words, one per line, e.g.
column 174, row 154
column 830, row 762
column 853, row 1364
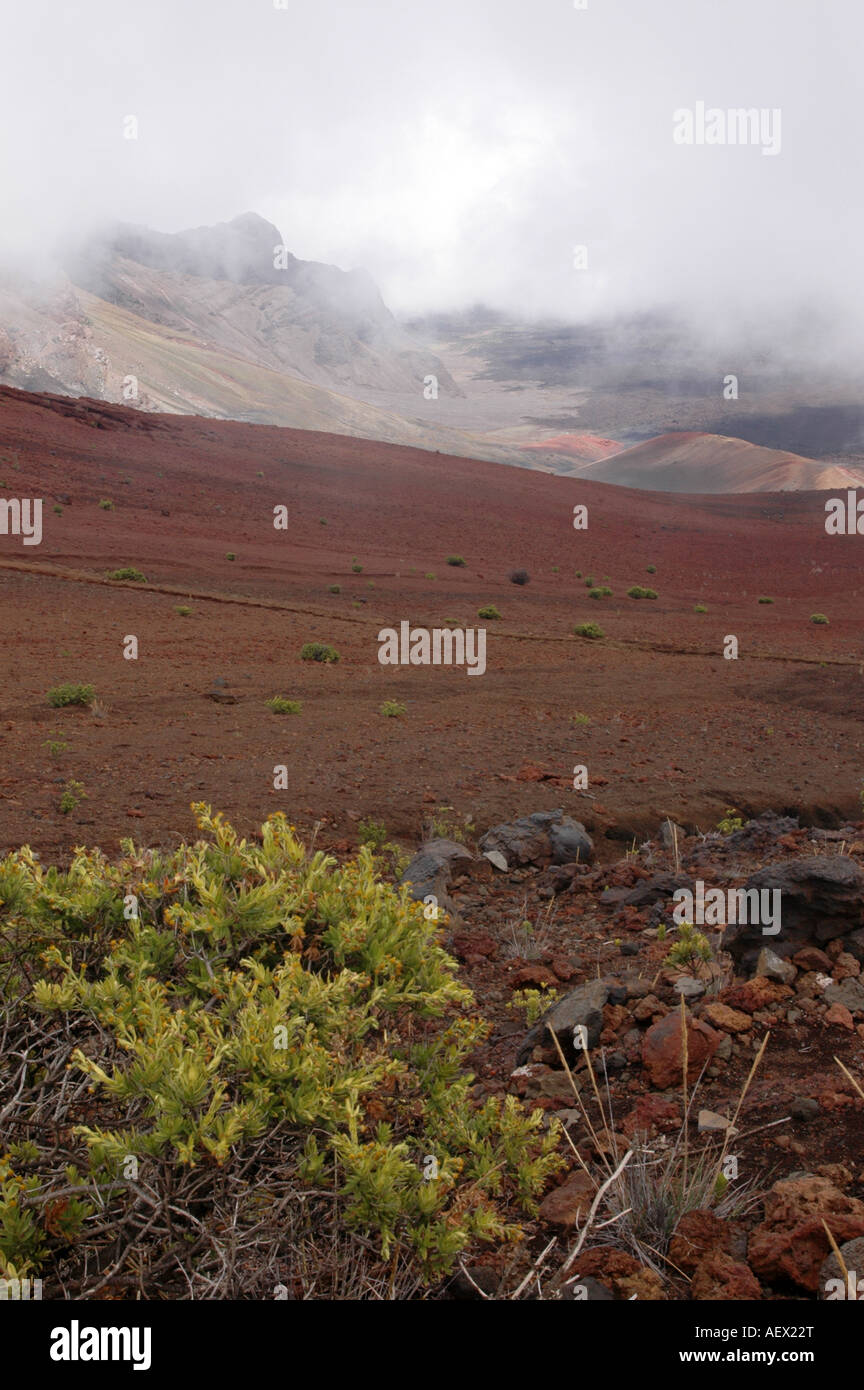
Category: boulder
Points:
column 852, row 1252
column 820, row 899
column 545, row 837
column 663, row 1053
column 582, row 1007
column 791, row 1243
column 431, row 869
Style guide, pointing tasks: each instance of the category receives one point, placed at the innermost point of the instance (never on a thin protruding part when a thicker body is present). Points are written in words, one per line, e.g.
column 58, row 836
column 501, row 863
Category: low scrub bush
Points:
column 589, row 630
column 318, row 651
column 263, row 1075
column 70, row 694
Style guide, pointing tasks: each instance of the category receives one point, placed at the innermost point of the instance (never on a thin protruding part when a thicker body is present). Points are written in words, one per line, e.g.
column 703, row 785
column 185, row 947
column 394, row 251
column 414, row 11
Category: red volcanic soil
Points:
column 589, row 447
column 674, row 728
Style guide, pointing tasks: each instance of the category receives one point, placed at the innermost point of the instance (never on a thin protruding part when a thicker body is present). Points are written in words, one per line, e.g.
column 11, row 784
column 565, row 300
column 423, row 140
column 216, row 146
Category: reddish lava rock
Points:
column 567, row 1204
column 791, row 1242
column 697, row 1234
column 622, row 1273
column 466, row 944
column 753, row 995
column 650, row 1114
column 663, row 1052
column 719, row 1278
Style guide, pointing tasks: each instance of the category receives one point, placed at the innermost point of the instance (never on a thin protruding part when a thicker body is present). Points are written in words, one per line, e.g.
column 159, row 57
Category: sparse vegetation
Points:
column 534, row 1002
column 73, row 793
column 70, row 694
column 730, row 822
column 490, row 611
column 128, row 573
column 372, row 832
column 280, row 705
column 819, row 619
column 456, row 561
column 638, row 592
column 334, row 588
column 580, row 720
column 392, row 709
column 700, row 608
column 230, row 555
column 318, row 651
column 691, row 947
column 651, row 569
column 106, row 504
column 592, row 631
column 763, row 599
column 266, row 1012
column 183, row 611
column 600, row 592
column 356, row 568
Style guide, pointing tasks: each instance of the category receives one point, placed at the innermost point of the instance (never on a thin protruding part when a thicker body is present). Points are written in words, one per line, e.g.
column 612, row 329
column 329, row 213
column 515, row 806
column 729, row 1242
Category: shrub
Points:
column 334, row 589
column 267, row 1013
column 58, row 510
column 356, row 568
column 128, row 573
column 456, row 561
column 106, row 505
column 638, row 592
column 392, row 709
column 589, row 630
column 318, row 651
column 580, row 720
column 431, row 575
column 700, row 608
column 730, row 822
column 651, row 569
column 520, row 577
column 282, row 706
column 490, row 611
column 578, row 574
column 766, row 600
column 692, row 946
column 818, row 618
column 73, row 793
column 372, row 832
column 601, row 592
column 69, row 694
column 534, row 1002
column 183, row 611
column 589, row 582
column 230, row 555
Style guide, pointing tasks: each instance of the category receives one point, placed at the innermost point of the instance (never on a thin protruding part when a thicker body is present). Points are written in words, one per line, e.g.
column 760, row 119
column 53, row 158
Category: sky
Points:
column 461, row 151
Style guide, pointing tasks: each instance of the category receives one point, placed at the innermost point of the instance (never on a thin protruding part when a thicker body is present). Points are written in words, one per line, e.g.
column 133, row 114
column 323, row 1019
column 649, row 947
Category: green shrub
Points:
column 638, row 592
column 589, row 582
column 183, row 611
column 334, row 588
column 356, row 568
column 106, row 505
column 128, row 573
column 266, row 1007
column 73, row 793
column 580, row 720
column 318, row 651
column 58, row 510
column 372, row 832
column 392, row 709
column 651, row 569
column 700, row 608
column 818, row 618
column 230, row 555
column 766, row 600
column 69, row 694
column 601, row 592
column 282, row 706
column 431, row 575
column 490, row 611
column 590, row 630
column 456, row 561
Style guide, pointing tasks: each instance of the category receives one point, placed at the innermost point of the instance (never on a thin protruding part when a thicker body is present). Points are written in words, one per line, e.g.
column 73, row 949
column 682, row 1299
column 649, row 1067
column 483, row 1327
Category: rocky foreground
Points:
column 714, row 1158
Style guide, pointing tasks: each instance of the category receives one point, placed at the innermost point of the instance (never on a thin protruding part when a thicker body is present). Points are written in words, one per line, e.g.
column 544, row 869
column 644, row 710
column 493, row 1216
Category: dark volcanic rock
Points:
column 430, row 870
column 545, row 837
column 820, row 899
column 583, row 1006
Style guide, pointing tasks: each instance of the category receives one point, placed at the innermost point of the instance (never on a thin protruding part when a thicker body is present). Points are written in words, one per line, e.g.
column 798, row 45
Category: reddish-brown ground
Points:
column 674, row 728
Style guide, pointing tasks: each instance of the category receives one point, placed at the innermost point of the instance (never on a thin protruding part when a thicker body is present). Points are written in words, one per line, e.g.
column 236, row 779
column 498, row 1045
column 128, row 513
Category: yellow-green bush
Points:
column 241, row 989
